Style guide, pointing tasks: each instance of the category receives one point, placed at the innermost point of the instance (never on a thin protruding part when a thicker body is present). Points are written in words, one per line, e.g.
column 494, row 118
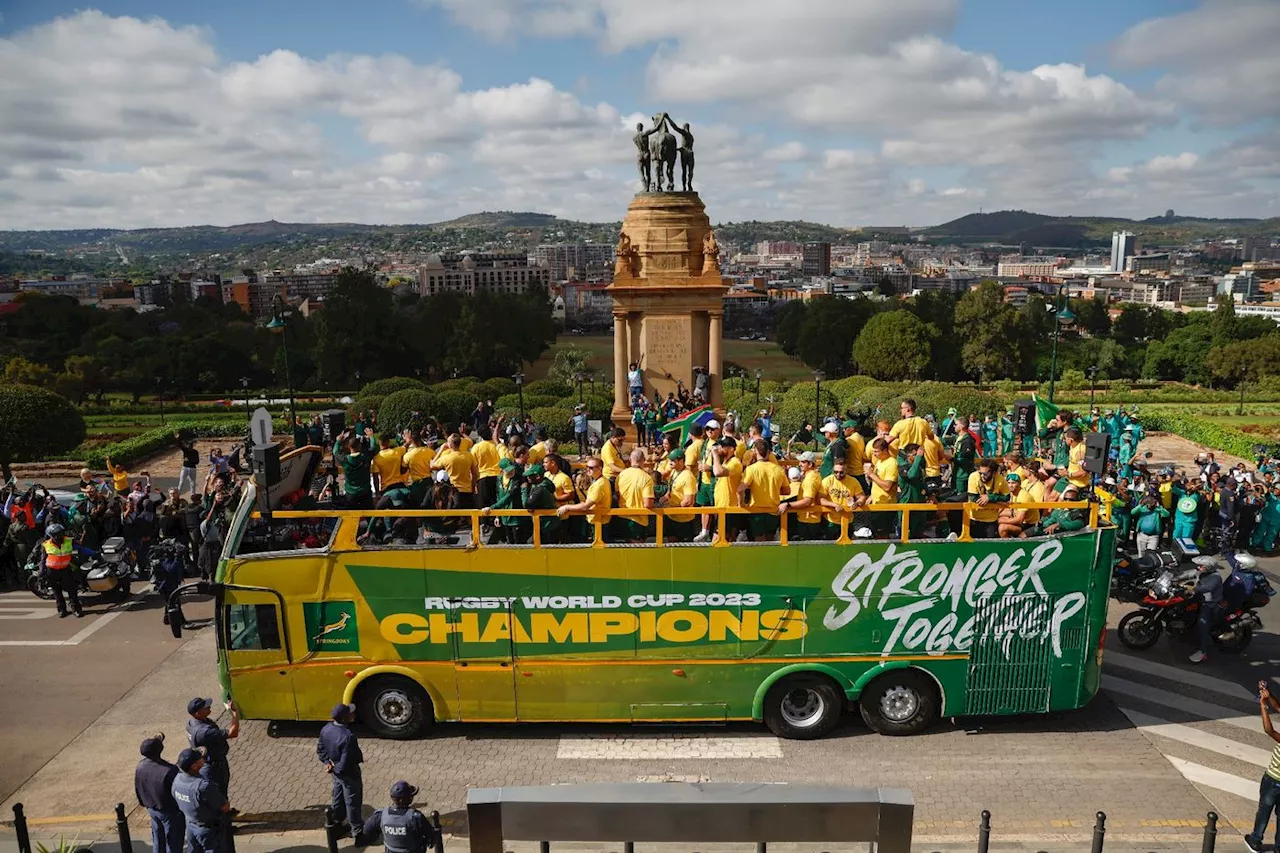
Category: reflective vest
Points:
column 58, row 556
column 401, row 830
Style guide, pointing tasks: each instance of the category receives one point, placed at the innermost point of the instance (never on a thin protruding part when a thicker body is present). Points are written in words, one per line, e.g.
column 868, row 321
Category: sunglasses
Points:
column 593, row 467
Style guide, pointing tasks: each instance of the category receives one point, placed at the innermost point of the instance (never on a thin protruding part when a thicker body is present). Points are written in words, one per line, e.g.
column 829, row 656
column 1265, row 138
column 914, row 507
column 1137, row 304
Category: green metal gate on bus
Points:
column 1011, row 661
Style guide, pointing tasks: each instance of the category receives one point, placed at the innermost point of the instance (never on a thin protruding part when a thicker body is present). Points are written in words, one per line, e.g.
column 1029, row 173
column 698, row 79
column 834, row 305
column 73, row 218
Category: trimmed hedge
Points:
column 556, row 421
column 384, row 387
column 549, row 387
column 498, row 386
column 35, row 423
column 1203, row 432
column 511, row 402
column 202, row 410
column 153, row 441
column 396, row 411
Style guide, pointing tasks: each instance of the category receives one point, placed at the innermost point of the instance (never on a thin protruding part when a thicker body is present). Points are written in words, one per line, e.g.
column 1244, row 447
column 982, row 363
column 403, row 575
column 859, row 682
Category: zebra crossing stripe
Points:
column 1194, row 737
column 1173, row 673
column 1216, row 779
column 1164, row 698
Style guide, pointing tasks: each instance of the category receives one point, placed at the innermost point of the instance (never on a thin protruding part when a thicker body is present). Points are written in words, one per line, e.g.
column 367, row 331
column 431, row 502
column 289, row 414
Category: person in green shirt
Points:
column 963, row 453
column 1054, row 436
column 539, row 493
column 354, row 453
column 1149, row 515
column 513, row 529
column 653, row 424
column 837, row 449
column 1063, row 520
column 911, row 486
column 1006, row 433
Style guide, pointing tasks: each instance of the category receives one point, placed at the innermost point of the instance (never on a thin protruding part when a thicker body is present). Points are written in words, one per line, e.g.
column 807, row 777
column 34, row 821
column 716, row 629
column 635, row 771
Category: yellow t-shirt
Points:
column 563, row 484
column 609, row 456
column 856, row 455
column 913, row 430
column 693, row 456
column 765, row 483
column 998, row 486
column 811, row 487
column 933, row 456
column 387, row 464
column 1024, row 496
column 1076, row 474
column 741, row 450
column 1036, row 488
column 537, row 453
column 683, row 485
column 119, row 478
column 886, row 469
column 841, row 491
column 1166, row 495
column 487, row 458
column 466, row 444
column 457, row 464
column 634, row 486
column 727, row 485
column 601, row 494
column 418, row 461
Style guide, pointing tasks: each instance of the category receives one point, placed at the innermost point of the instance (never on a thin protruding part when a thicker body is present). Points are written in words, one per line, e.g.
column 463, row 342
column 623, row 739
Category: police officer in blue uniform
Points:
column 404, row 829
column 203, row 804
column 203, row 733
column 153, row 785
column 339, row 751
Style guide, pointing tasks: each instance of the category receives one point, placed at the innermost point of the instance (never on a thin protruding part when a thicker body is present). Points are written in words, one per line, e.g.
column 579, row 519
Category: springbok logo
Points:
column 331, row 626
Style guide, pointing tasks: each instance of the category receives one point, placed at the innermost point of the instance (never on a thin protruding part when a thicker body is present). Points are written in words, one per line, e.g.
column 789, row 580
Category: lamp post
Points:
column 519, row 378
column 1062, row 316
column 280, row 313
column 244, row 383
column 818, row 376
column 160, row 397
column 455, row 373
column 759, row 373
column 577, row 378
column 1093, row 377
column 591, row 377
column 1243, row 372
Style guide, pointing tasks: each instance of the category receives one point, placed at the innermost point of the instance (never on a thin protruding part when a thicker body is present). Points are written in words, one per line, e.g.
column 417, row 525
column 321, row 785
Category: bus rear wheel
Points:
column 393, row 706
column 804, row 706
column 900, row 702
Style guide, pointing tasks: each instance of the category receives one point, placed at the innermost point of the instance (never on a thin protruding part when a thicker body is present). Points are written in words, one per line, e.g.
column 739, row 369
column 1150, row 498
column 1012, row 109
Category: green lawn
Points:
column 765, row 355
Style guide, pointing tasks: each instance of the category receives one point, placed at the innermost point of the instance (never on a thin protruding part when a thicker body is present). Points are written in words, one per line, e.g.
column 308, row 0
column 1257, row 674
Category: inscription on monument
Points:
column 667, row 345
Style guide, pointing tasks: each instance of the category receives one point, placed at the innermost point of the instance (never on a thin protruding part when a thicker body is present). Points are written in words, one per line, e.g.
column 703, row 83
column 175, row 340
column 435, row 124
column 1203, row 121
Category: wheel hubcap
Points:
column 899, row 704
column 1139, row 630
column 393, row 708
column 802, row 707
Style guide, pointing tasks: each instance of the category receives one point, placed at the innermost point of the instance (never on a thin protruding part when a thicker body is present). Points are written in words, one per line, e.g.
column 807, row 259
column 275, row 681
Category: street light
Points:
column 1062, row 316
column 519, row 378
column 818, row 376
column 244, row 383
column 1093, row 376
column 160, row 397
column 279, row 314
column 591, row 377
column 1243, row 372
column 759, row 373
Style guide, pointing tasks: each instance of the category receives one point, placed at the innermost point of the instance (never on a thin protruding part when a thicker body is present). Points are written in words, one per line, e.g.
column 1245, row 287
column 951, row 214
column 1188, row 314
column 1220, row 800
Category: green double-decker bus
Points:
column 792, row 634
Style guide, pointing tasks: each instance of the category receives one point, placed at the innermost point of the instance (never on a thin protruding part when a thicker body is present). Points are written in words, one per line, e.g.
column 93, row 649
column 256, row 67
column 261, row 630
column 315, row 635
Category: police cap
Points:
column 188, row 757
column 403, row 791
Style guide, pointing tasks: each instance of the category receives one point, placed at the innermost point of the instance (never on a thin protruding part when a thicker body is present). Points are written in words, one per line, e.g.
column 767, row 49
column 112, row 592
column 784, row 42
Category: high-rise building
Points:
column 817, row 259
column 1123, row 245
column 565, row 261
column 469, row 274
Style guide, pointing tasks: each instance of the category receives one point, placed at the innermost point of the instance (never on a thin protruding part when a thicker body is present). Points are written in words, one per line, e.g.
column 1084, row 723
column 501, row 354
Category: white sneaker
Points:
column 703, row 536
column 1251, row 847
column 1199, row 657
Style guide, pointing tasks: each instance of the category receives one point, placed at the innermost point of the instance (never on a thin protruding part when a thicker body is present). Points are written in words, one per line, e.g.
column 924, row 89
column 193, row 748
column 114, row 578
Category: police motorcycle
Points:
column 1132, row 575
column 103, row 572
column 1171, row 605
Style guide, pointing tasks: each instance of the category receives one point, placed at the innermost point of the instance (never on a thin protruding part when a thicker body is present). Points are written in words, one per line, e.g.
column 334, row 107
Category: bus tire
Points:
column 803, row 706
column 900, row 702
column 393, row 706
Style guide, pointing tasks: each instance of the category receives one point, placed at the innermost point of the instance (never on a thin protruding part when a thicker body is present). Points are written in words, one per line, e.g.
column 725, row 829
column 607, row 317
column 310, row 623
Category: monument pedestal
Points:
column 668, row 300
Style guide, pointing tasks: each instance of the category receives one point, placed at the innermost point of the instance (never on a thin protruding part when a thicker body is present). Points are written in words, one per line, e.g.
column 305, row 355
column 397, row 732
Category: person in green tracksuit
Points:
column 1187, row 501
column 837, row 449
column 513, row 529
column 911, row 485
column 539, row 493
column 1054, row 435
column 1264, row 535
column 1006, row 433
column 963, row 453
column 1149, row 515
column 1062, row 520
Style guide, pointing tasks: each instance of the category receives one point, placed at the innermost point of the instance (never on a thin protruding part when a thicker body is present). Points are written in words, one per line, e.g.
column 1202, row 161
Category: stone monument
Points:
column 668, row 294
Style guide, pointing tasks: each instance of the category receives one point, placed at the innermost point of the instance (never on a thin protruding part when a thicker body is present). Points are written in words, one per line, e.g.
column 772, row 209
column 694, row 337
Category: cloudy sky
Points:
column 139, row 113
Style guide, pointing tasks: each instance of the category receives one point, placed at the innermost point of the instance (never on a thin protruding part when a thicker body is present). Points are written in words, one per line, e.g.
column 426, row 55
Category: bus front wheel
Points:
column 393, row 706
column 900, row 702
column 803, row 706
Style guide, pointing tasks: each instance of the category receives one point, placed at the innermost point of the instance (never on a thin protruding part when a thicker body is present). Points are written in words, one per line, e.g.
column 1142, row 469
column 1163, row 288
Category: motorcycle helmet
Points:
column 53, row 531
column 1247, row 561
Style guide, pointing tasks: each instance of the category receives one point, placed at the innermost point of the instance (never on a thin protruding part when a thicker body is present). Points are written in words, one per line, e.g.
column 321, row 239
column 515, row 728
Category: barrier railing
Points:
column 602, row 518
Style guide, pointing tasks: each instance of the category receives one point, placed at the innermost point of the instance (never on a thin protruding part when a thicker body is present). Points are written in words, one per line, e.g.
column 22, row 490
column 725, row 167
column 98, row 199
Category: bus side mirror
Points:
column 173, row 615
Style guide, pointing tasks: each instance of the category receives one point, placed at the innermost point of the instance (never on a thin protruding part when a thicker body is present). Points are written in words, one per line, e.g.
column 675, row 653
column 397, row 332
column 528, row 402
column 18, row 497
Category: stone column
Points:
column 621, row 343
column 714, row 365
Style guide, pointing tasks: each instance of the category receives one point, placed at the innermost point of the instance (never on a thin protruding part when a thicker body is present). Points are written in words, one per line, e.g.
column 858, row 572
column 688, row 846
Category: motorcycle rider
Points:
column 55, row 563
column 1209, row 588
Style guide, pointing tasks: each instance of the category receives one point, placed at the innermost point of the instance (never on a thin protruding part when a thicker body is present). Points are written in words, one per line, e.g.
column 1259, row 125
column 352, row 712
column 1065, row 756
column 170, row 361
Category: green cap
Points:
column 535, row 470
column 849, row 425
column 675, row 454
column 1013, row 478
column 506, row 464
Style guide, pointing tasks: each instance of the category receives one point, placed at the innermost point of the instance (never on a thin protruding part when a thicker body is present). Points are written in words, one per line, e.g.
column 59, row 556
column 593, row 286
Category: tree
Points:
column 1036, row 318
column 20, row 371
column 894, row 346
column 1257, row 357
column 1131, row 325
column 830, row 328
column 991, row 333
column 569, row 361
column 1223, row 323
column 790, row 322
column 358, row 330
column 938, row 309
column 1181, row 356
column 35, row 424
column 1092, row 316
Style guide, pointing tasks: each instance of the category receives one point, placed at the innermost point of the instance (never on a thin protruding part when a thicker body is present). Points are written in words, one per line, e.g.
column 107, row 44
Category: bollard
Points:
column 630, row 847
column 122, row 828
column 1099, row 832
column 1210, row 833
column 984, row 832
column 544, row 847
column 331, row 827
column 20, row 829
column 761, row 847
column 435, row 822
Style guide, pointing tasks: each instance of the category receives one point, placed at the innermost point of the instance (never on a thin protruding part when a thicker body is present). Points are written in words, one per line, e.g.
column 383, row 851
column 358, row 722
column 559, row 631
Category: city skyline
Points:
column 137, row 113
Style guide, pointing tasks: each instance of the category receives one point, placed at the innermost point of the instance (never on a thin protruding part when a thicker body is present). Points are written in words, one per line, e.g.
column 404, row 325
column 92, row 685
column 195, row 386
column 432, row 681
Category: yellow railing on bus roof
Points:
column 659, row 514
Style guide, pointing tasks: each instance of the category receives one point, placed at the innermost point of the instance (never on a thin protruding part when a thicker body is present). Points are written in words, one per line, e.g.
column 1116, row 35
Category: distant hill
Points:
column 1011, row 227
column 502, row 219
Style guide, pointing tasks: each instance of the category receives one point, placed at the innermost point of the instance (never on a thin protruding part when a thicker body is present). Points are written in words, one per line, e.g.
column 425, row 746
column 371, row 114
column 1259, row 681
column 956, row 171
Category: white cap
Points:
column 807, row 456
column 442, row 476
column 793, row 473
column 1110, row 481
column 713, row 424
column 830, row 426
